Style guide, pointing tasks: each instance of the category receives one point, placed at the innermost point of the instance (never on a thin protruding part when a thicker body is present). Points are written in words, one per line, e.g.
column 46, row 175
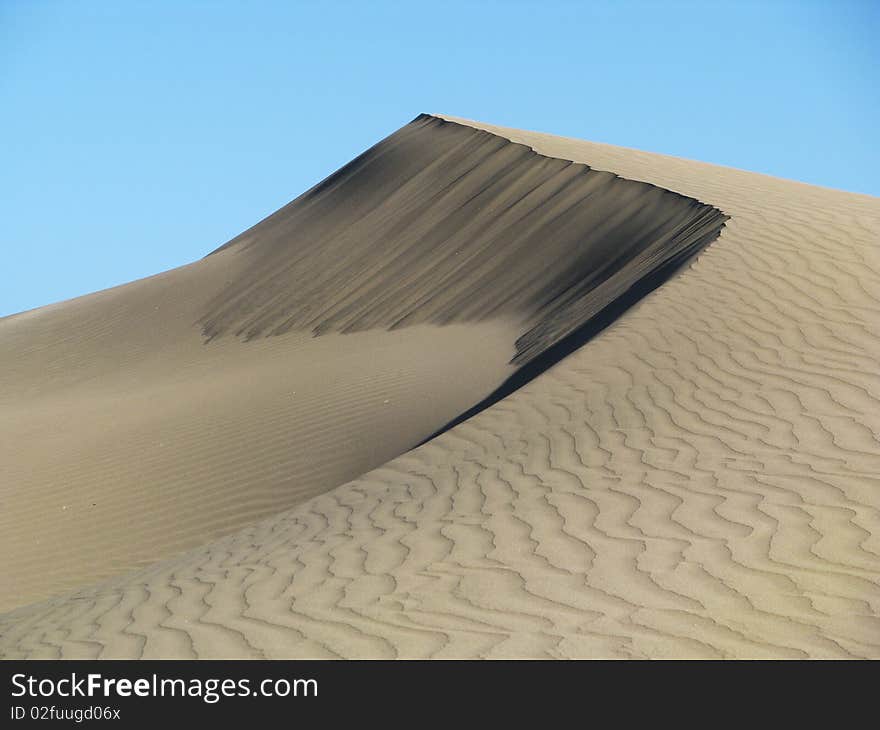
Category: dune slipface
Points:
column 697, row 480
column 442, row 223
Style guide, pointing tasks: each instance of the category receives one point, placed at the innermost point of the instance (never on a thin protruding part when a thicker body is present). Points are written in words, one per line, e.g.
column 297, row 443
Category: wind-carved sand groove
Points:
column 700, row 480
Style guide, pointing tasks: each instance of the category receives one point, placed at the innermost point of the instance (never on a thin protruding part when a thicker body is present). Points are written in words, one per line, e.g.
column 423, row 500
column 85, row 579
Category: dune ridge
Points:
column 699, row 480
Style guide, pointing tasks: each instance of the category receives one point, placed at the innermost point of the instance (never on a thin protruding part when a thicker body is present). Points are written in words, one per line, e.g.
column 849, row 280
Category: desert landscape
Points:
column 481, row 393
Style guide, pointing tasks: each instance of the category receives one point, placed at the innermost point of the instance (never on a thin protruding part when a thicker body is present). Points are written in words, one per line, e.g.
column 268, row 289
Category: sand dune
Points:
column 150, row 418
column 698, row 480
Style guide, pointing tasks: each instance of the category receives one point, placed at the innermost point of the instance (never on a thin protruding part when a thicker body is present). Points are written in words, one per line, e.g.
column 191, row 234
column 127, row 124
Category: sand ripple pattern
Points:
column 700, row 480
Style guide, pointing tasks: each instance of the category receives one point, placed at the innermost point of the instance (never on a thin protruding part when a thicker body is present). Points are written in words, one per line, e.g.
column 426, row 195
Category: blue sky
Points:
column 139, row 136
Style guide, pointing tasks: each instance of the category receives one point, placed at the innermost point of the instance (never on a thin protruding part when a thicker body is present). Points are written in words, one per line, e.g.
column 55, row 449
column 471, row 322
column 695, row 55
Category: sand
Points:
column 698, row 480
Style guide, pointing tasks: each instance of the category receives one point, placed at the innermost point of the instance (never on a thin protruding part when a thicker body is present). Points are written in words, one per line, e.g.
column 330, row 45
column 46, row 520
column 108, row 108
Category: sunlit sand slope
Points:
column 329, row 338
column 699, row 480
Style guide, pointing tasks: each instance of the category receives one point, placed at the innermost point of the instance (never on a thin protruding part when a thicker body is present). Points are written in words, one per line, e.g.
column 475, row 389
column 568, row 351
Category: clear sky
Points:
column 138, row 136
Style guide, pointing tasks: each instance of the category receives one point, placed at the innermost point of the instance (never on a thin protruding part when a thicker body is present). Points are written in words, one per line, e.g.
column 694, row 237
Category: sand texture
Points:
column 213, row 462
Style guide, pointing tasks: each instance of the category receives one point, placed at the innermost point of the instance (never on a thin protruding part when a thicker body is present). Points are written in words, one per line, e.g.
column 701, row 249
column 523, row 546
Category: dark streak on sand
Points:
column 442, row 223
